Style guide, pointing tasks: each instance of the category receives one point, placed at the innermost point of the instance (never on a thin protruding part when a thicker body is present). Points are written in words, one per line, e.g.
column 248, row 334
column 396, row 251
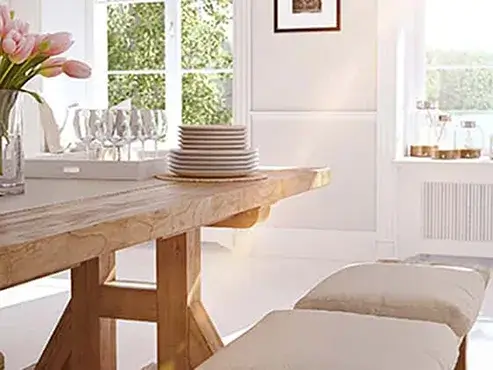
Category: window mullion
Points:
column 172, row 20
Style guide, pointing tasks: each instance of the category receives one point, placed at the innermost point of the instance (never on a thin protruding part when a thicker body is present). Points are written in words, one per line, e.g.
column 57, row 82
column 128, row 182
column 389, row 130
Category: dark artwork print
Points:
column 307, row 6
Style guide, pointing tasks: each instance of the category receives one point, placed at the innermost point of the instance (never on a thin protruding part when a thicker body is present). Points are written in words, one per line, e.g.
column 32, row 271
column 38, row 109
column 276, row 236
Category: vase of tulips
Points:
column 24, row 56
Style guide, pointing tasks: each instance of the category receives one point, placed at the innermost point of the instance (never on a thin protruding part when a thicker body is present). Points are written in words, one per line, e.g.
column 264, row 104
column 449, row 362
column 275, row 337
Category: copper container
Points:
column 423, row 151
column 447, row 154
column 470, row 153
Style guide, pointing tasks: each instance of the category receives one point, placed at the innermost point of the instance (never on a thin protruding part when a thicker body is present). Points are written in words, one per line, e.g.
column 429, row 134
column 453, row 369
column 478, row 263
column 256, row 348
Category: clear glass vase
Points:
column 11, row 153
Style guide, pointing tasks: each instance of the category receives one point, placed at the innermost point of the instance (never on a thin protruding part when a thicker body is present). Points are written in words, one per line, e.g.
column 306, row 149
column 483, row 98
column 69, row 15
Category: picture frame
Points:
column 307, row 16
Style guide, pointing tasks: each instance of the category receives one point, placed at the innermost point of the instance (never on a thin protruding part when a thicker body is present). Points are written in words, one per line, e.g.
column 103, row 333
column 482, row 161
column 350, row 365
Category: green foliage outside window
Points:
column 461, row 89
column 136, row 41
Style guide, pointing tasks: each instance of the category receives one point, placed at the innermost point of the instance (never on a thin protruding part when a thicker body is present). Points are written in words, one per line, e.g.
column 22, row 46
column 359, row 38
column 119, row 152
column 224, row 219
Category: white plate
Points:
column 204, row 141
column 219, row 162
column 212, row 174
column 214, row 148
column 222, row 128
column 214, row 153
column 213, row 167
column 212, row 136
column 214, row 159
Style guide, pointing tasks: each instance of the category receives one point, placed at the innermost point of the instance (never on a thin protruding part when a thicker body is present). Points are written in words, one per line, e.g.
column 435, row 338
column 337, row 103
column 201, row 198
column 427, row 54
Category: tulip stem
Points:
column 6, row 72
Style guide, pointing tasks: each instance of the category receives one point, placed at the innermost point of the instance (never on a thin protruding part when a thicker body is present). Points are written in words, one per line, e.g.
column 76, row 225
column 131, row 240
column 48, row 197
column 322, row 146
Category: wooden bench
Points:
column 443, row 294
column 320, row 340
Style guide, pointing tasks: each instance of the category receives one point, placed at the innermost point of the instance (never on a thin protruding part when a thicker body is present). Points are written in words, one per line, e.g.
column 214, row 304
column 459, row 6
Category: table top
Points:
column 60, row 223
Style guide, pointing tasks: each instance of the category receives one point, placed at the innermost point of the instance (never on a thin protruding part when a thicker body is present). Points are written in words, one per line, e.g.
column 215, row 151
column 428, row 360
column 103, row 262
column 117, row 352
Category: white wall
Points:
column 313, row 103
column 327, row 71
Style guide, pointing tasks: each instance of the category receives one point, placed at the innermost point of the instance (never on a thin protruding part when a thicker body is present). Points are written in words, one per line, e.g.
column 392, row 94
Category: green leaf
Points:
column 35, row 95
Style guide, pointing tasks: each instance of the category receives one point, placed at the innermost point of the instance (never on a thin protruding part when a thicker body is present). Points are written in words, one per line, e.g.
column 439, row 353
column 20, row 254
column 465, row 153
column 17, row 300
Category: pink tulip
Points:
column 20, row 26
column 5, row 20
column 55, row 43
column 39, row 43
column 76, row 69
column 52, row 67
column 51, row 72
column 23, row 50
column 10, row 42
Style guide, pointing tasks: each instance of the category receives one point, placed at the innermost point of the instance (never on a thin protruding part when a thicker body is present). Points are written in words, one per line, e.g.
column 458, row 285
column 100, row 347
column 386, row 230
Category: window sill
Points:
column 484, row 161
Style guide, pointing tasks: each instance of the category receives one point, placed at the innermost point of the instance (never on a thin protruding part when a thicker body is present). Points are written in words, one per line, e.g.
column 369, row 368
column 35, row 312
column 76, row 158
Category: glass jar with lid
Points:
column 470, row 139
column 423, row 142
column 446, row 136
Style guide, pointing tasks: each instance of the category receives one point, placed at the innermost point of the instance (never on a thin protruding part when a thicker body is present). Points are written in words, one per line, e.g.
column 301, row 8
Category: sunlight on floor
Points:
column 480, row 355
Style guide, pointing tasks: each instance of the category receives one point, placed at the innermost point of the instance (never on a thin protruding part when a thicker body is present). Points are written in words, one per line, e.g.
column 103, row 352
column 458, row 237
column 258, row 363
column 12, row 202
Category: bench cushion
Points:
column 319, row 340
column 441, row 294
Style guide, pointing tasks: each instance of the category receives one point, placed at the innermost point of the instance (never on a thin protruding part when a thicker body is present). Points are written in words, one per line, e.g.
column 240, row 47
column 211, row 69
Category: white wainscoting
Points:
column 417, row 233
column 343, row 141
column 337, row 222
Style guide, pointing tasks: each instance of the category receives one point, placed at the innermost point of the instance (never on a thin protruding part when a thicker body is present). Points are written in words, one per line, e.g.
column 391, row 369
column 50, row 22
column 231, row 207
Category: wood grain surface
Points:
column 42, row 233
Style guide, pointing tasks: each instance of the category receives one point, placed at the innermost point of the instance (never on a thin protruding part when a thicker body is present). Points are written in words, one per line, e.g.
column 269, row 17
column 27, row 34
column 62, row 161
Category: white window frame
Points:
column 413, row 25
column 174, row 71
column 95, row 90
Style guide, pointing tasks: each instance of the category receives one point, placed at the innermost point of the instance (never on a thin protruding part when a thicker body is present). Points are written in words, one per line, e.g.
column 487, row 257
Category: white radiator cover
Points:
column 444, row 208
column 457, row 211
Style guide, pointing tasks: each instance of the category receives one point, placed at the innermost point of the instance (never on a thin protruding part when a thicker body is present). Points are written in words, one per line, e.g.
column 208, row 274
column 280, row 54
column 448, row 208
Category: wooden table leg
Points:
column 186, row 335
column 107, row 273
column 93, row 339
column 56, row 355
column 86, row 336
column 462, row 361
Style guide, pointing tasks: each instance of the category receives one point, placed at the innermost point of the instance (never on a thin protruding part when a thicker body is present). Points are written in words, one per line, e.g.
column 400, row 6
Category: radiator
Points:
column 457, row 211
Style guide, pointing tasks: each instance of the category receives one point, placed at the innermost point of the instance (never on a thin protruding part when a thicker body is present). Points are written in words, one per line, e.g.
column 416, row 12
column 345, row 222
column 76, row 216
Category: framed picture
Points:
column 307, row 15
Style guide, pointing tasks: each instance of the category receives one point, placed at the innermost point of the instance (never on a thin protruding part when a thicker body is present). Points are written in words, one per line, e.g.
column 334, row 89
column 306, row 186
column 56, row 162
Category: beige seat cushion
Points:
column 454, row 261
column 319, row 340
column 441, row 294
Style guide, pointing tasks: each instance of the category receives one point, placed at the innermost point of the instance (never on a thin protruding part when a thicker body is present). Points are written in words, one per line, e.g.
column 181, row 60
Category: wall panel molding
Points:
column 343, row 141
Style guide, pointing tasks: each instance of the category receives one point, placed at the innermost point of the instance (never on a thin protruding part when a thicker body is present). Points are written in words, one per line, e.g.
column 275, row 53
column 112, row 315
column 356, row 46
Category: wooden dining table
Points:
column 80, row 225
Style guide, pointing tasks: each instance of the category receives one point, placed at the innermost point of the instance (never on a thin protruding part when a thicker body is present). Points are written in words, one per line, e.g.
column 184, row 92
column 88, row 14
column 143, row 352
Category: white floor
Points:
column 237, row 291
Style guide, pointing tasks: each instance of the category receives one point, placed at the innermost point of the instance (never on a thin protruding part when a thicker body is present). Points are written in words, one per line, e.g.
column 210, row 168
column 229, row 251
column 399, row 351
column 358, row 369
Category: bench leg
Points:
column 462, row 362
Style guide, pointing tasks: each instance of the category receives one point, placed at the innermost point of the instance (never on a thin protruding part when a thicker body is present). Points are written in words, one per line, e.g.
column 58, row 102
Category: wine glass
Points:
column 146, row 126
column 126, row 128
column 160, row 128
column 82, row 129
column 116, row 126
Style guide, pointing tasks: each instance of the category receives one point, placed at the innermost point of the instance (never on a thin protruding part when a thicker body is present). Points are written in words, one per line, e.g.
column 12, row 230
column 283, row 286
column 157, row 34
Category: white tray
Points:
column 75, row 166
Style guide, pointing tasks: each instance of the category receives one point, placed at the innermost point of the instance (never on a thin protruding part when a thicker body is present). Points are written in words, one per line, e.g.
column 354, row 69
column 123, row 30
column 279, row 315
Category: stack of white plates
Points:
column 213, row 137
column 213, row 152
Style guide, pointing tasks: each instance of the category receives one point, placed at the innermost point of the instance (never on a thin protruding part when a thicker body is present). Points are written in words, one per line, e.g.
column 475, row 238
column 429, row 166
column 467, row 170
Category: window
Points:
column 169, row 54
column 459, row 60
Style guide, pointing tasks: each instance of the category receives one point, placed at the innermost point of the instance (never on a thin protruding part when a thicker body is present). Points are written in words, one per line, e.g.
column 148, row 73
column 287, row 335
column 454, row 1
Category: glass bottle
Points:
column 446, row 137
column 470, row 139
column 425, row 121
column 445, row 133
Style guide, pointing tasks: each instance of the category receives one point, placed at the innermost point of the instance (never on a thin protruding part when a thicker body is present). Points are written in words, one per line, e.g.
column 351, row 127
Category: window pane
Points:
column 459, row 54
column 207, row 98
column 207, row 34
column 453, row 57
column 461, row 89
column 146, row 91
column 136, row 36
